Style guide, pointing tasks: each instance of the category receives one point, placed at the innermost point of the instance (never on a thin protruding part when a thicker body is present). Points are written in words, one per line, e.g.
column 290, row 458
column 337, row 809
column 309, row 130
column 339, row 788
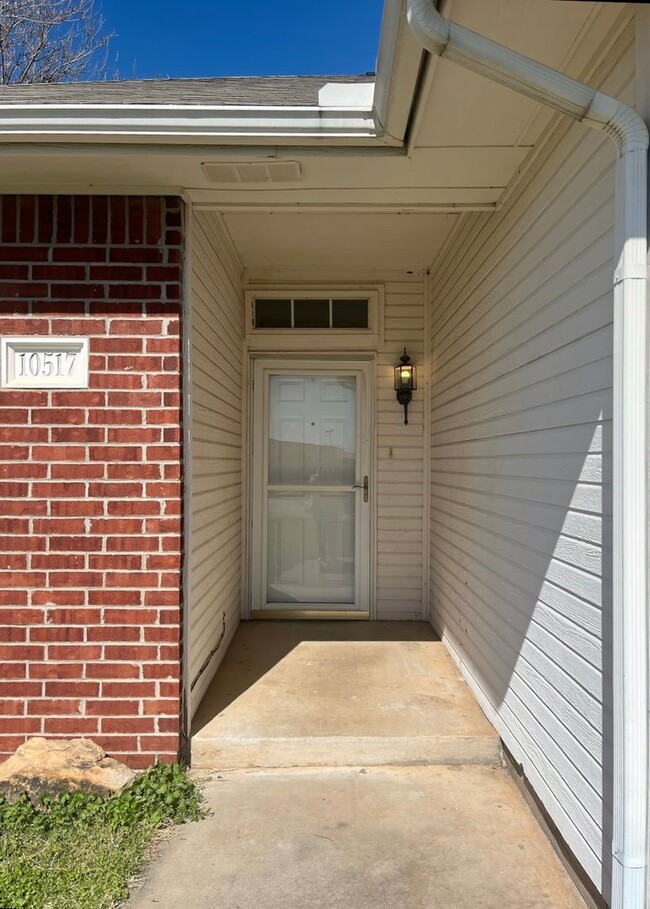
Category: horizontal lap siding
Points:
column 400, row 459
column 216, row 431
column 521, row 470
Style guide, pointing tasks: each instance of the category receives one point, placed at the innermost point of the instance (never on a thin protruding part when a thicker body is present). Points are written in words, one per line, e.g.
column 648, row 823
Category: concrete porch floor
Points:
column 297, row 694
column 347, row 766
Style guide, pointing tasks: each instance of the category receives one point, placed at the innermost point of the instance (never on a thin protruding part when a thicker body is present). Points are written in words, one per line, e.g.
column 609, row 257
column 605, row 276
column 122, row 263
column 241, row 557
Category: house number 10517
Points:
column 41, row 362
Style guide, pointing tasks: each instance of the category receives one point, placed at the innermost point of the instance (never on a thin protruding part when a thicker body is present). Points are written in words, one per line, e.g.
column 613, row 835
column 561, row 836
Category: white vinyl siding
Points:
column 400, row 458
column 521, row 471
column 216, row 449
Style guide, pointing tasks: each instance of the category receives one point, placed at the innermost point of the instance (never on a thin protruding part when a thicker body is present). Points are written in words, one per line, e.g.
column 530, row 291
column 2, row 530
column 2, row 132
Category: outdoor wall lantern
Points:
column 406, row 382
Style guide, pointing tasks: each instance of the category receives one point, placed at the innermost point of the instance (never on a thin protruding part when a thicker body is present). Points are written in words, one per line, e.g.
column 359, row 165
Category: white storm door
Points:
column 311, row 508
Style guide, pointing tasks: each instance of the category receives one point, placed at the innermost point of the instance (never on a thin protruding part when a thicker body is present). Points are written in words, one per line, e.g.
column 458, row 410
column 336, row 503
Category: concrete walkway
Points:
column 351, row 838
column 348, row 767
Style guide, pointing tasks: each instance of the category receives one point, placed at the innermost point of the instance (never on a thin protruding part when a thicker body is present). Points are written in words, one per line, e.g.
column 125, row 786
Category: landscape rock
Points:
column 51, row 766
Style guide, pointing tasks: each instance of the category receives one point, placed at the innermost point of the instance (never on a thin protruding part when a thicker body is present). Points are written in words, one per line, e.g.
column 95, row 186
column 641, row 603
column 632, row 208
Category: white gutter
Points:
column 188, row 122
column 630, row 631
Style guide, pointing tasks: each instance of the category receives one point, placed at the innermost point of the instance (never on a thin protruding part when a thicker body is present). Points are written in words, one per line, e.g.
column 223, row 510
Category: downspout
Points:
column 630, row 642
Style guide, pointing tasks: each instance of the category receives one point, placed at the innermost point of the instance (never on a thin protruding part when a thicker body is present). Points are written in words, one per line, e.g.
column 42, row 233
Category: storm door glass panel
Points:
column 312, row 450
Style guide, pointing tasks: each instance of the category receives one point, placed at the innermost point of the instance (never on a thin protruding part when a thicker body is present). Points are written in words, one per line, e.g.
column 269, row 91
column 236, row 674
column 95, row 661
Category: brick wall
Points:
column 90, row 508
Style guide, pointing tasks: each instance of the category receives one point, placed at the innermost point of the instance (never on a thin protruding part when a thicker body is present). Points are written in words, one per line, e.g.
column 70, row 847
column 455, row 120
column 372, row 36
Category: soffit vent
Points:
column 252, row 171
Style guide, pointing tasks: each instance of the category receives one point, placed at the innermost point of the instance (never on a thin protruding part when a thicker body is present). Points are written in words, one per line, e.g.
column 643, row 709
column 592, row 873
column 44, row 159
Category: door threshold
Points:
column 318, row 614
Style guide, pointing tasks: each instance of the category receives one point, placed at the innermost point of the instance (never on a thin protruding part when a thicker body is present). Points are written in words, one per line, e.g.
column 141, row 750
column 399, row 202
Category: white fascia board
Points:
column 186, row 121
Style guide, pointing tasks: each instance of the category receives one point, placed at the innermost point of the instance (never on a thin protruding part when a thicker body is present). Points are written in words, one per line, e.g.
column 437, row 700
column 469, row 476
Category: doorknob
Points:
column 363, row 486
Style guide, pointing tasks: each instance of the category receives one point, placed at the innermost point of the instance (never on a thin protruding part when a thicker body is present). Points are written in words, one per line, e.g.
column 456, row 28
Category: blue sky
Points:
column 157, row 38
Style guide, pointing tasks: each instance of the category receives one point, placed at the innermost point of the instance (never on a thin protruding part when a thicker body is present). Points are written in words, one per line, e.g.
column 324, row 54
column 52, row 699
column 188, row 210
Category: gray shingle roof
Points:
column 273, row 91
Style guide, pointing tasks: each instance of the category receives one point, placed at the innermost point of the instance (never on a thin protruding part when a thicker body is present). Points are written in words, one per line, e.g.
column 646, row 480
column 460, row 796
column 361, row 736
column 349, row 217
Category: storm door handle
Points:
column 363, row 486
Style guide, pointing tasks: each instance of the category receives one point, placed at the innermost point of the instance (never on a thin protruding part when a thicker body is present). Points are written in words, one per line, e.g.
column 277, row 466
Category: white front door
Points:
column 311, row 488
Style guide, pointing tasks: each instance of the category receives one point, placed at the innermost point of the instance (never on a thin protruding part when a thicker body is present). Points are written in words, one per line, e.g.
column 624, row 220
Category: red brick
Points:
column 126, row 579
column 112, row 708
column 117, row 345
column 160, row 670
column 130, row 616
column 167, row 633
column 58, row 598
column 118, row 417
column 22, row 578
column 59, row 490
column 22, row 544
column 80, row 471
column 115, row 453
column 24, row 471
column 20, row 617
column 140, row 507
column 83, row 434
column 71, row 726
column 115, row 380
column 77, row 508
column 74, row 651
column 82, row 544
column 115, row 490
column 138, row 254
column 53, row 707
column 27, row 724
column 59, row 525
column 164, row 562
column 169, row 724
column 58, row 415
column 53, row 670
column 159, row 742
column 116, row 525
column 13, row 597
column 78, row 254
column 47, row 561
column 62, row 452
column 134, row 652
column 63, row 616
column 115, row 562
column 128, row 689
column 115, row 597
column 16, row 434
column 60, row 272
column 136, row 327
column 162, row 598
column 75, row 578
column 110, row 633
column 14, row 634
column 58, row 689
column 170, row 689
column 56, row 633
column 115, row 744
column 112, row 671
column 128, row 724
column 18, row 688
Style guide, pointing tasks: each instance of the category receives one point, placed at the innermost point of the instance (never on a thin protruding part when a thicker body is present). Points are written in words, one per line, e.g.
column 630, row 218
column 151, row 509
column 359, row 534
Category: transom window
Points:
column 310, row 313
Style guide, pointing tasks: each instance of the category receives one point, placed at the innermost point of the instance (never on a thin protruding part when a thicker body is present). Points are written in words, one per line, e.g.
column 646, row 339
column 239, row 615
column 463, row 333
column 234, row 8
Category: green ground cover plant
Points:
column 78, row 851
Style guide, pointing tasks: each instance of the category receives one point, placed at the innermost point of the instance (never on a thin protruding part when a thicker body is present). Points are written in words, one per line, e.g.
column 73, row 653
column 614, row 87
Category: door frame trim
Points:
column 330, row 359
